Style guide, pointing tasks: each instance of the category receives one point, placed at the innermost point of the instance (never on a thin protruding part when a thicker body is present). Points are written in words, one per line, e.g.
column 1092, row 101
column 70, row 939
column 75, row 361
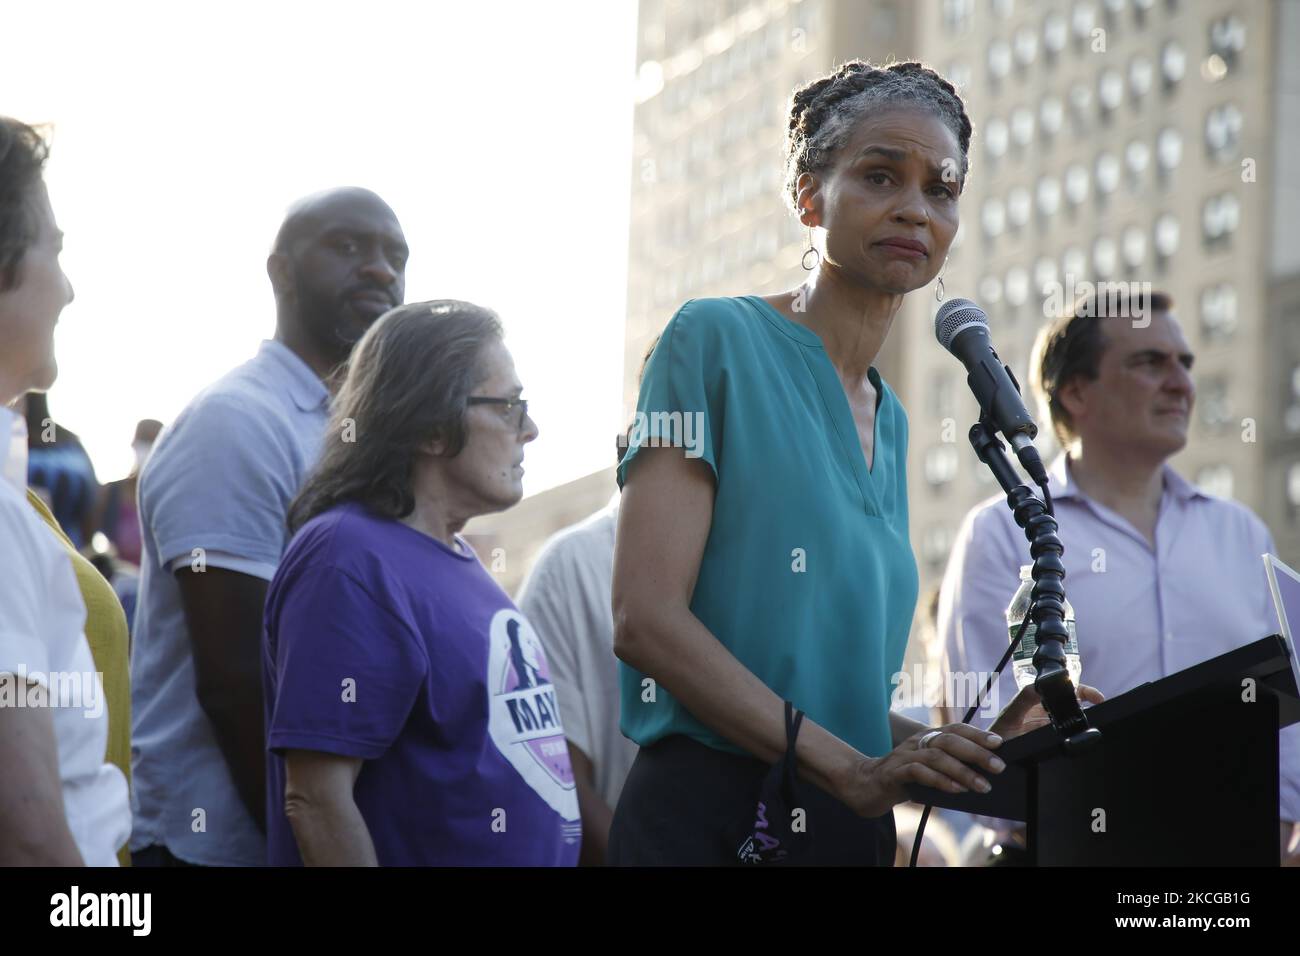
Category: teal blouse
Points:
column 808, row 575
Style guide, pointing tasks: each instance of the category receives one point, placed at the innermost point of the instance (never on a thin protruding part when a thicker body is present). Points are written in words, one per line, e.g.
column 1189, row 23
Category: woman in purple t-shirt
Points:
column 411, row 716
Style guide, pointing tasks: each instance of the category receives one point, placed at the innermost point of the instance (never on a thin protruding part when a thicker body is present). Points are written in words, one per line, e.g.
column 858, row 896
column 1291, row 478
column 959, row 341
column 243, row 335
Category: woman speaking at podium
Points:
column 762, row 551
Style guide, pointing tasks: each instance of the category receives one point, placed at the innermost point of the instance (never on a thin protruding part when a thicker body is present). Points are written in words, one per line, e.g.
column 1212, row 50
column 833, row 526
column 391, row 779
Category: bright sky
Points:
column 500, row 133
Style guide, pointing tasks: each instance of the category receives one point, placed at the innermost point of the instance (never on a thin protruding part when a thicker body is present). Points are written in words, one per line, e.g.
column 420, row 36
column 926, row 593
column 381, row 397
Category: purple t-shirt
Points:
column 385, row 644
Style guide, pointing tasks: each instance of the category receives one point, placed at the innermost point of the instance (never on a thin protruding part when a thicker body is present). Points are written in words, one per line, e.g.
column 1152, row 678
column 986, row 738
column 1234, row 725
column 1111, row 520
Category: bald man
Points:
column 213, row 500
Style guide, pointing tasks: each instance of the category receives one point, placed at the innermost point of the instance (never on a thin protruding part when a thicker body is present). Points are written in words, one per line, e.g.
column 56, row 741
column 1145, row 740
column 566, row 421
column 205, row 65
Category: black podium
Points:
column 1186, row 773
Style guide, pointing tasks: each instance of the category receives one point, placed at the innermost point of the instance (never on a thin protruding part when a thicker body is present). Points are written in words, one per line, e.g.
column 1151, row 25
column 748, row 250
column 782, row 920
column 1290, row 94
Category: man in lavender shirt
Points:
column 1161, row 575
column 213, row 499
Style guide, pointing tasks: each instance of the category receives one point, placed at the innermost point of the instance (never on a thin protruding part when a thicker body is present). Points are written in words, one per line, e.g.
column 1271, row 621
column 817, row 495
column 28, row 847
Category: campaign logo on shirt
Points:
column 524, row 715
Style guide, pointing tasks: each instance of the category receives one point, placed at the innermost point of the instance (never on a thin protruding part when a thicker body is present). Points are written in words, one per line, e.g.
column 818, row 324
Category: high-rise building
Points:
column 1115, row 141
column 1279, row 364
column 714, row 84
column 1119, row 141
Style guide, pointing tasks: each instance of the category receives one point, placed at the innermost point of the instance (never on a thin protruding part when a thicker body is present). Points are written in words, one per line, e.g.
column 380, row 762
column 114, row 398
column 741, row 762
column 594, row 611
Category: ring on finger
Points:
column 927, row 739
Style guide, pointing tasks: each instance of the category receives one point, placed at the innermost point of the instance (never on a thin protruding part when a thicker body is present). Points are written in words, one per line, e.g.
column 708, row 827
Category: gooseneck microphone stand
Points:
column 1046, row 607
column 1047, row 600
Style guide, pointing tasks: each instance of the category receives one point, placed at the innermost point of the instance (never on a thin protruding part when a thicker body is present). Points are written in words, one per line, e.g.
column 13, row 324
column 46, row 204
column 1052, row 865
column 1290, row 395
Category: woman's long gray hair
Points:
column 406, row 385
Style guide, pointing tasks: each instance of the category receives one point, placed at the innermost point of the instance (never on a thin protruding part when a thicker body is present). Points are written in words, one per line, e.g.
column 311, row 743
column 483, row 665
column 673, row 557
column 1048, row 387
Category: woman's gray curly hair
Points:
column 823, row 113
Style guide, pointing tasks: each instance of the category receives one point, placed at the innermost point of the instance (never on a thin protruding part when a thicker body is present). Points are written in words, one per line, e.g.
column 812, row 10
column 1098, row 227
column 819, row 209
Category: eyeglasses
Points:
column 507, row 403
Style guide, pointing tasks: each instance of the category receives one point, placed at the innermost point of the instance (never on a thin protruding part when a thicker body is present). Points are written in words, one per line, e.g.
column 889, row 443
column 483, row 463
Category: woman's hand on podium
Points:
column 950, row 760
column 1026, row 712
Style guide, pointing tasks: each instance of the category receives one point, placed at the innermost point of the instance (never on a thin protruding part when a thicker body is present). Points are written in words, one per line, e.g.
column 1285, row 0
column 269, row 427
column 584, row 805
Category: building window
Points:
column 1219, row 312
column 1222, row 131
column 995, row 138
column 1076, row 184
column 1107, row 173
column 1215, row 480
column 1227, row 39
column 1045, row 276
column 1017, row 286
column 935, row 545
column 1137, row 157
column 1220, row 217
column 1055, row 32
column 990, row 290
column 1049, row 196
column 1083, row 18
column 1019, row 206
column 1140, row 75
column 999, row 59
column 1173, row 65
column 1104, row 256
column 1051, row 115
column 993, row 217
column 1026, row 46
column 1074, row 265
column 1292, row 418
column 940, row 465
column 959, row 74
column 958, row 15
column 1165, row 236
column 1212, row 404
column 1169, row 150
column 1110, row 90
column 1134, row 245
column 1080, row 104
column 942, row 396
column 1293, row 486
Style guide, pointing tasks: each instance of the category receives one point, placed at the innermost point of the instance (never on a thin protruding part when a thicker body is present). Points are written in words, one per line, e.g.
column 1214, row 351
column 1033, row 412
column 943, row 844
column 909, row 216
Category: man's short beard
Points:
column 323, row 321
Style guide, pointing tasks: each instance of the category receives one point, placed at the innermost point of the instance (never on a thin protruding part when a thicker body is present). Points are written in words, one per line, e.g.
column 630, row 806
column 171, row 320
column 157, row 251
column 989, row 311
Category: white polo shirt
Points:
column 568, row 599
column 45, row 659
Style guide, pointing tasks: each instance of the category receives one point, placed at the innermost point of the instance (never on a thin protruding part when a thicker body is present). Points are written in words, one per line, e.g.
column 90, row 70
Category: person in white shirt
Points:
column 1162, row 575
column 61, row 802
column 568, row 598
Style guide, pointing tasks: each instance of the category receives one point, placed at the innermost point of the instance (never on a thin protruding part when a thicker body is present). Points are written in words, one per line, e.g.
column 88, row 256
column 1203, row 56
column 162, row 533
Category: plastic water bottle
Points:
column 1022, row 660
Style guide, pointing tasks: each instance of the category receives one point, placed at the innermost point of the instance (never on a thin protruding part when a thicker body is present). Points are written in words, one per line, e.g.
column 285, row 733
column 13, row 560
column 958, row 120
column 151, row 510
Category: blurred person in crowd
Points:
column 61, row 802
column 107, row 629
column 116, row 511
column 567, row 598
column 123, row 577
column 411, row 709
column 117, row 543
column 770, row 459
column 940, row 846
column 213, row 497
column 1161, row 574
column 921, row 700
column 60, row 470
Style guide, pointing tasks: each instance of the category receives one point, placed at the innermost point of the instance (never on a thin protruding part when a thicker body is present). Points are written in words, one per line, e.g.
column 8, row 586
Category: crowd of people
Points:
column 319, row 670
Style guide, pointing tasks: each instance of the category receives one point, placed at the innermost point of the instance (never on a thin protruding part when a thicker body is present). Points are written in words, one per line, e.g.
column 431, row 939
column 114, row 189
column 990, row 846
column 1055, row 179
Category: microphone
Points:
column 963, row 329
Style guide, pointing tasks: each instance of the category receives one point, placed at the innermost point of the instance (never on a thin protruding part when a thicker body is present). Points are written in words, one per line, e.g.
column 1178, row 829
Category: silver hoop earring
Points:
column 938, row 290
column 817, row 256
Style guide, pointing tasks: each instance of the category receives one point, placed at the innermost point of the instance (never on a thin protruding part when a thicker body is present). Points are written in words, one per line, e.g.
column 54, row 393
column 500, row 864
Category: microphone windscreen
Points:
column 955, row 315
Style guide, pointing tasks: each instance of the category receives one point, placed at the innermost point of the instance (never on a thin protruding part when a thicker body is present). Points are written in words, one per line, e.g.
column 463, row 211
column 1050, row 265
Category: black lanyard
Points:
column 779, row 832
